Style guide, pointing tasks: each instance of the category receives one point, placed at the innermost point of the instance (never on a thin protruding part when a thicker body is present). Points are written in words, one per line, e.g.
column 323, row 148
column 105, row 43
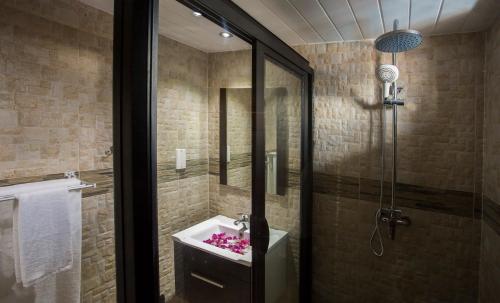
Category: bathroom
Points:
column 270, row 129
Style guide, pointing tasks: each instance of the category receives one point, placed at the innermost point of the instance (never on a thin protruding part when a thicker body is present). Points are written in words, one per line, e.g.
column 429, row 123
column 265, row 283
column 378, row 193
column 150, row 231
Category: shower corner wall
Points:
column 440, row 169
column 490, row 238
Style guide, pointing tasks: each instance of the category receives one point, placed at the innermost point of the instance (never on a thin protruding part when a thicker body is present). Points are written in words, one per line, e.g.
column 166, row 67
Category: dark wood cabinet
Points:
column 204, row 277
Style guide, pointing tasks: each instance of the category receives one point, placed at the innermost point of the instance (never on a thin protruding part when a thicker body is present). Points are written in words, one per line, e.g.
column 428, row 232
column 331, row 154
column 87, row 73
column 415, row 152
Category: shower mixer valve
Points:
column 393, row 217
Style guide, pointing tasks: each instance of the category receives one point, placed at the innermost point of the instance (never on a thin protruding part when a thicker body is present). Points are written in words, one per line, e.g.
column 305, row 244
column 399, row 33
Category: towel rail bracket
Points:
column 74, row 187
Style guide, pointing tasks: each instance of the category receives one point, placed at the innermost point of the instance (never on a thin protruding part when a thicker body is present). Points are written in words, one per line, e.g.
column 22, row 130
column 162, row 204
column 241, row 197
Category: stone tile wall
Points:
column 233, row 70
column 226, row 70
column 490, row 240
column 239, row 137
column 182, row 101
column 181, row 204
column 55, row 114
column 492, row 115
column 182, row 123
column 438, row 149
column 442, row 81
column 56, row 88
column 433, row 260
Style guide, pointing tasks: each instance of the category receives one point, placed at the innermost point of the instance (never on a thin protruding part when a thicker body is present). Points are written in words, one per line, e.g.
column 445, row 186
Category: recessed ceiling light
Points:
column 196, row 14
column 225, row 35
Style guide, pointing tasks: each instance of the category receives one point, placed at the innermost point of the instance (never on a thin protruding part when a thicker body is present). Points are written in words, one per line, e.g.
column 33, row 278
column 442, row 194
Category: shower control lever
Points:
column 394, row 218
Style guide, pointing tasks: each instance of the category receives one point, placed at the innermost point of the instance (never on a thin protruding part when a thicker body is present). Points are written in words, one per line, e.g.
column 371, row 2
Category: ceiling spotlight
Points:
column 196, row 14
column 225, row 35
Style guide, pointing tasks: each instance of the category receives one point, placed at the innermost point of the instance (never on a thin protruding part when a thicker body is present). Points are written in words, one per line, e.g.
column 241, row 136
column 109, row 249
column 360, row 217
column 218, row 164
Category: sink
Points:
column 195, row 236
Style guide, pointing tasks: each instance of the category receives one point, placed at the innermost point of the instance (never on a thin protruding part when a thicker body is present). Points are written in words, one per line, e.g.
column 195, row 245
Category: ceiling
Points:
column 177, row 22
column 318, row 21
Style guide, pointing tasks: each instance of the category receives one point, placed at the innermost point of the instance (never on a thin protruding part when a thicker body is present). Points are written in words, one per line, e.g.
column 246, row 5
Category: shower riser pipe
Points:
column 394, row 138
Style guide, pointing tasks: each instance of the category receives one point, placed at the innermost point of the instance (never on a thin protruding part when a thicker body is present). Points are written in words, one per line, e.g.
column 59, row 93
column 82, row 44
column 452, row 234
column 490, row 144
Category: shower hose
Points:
column 376, row 230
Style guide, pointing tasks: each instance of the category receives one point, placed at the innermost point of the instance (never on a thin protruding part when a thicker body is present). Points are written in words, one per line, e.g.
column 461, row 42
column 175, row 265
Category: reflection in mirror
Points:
column 236, row 139
column 276, row 141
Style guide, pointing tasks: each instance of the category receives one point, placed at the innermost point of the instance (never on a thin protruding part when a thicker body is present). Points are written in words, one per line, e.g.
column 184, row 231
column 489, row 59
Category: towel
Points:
column 63, row 287
column 42, row 220
column 6, row 208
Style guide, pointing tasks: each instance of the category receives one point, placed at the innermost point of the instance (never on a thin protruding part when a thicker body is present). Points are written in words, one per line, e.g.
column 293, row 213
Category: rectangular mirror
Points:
column 236, row 139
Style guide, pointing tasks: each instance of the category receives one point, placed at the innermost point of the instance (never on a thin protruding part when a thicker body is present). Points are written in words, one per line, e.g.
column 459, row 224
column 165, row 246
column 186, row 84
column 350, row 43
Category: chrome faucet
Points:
column 244, row 220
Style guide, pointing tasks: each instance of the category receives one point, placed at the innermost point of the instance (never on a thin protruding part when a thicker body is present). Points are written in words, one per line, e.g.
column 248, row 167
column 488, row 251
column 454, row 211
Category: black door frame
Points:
column 134, row 139
column 263, row 53
column 134, row 142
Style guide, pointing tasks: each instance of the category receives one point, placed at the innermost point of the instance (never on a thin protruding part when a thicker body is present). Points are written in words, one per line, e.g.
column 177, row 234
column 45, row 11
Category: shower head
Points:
column 398, row 41
column 387, row 73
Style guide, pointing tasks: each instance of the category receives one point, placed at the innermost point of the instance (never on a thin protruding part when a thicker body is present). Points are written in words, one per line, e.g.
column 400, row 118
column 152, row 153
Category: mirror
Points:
column 236, row 139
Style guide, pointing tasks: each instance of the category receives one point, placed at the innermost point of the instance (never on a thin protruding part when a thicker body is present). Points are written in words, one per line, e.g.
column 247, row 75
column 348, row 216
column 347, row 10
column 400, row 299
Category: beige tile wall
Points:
column 226, row 70
column 233, row 70
column 492, row 115
column 98, row 249
column 239, row 136
column 55, row 113
column 55, row 110
column 442, row 81
column 433, row 260
column 438, row 148
column 181, row 204
column 239, row 75
column 182, row 101
column 182, row 123
column 239, row 120
column 55, row 86
column 490, row 241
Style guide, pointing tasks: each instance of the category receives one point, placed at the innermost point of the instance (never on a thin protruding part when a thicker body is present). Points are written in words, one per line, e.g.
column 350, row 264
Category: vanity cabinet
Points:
column 204, row 277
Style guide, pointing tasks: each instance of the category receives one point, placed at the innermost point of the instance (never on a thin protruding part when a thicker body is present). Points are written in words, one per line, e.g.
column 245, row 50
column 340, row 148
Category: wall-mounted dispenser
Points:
column 180, row 158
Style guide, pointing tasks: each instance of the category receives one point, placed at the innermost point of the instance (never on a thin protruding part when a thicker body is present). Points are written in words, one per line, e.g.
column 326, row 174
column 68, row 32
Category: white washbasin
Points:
column 196, row 234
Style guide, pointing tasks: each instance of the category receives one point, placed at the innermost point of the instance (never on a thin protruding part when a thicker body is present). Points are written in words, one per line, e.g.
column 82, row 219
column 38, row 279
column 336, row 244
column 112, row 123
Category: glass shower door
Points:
column 282, row 106
column 283, row 182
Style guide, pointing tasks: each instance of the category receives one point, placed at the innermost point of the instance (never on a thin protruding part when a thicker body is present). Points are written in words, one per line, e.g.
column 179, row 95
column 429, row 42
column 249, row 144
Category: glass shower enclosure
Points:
column 231, row 222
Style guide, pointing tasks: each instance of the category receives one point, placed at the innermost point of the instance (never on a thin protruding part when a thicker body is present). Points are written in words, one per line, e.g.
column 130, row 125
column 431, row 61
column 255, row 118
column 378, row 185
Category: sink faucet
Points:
column 244, row 220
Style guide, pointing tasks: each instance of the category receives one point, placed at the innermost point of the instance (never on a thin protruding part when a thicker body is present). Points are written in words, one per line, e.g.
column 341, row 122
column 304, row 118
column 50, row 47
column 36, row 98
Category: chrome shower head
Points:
column 387, row 73
column 398, row 41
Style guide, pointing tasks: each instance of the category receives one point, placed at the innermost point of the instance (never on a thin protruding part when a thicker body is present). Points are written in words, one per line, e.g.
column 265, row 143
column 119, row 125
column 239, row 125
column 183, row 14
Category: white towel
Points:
column 42, row 220
column 65, row 286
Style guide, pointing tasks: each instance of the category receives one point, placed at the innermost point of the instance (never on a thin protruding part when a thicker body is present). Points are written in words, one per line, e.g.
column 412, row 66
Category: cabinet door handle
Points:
column 209, row 281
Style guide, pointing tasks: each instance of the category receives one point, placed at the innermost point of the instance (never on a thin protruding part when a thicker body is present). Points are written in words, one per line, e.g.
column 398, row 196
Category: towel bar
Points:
column 74, row 187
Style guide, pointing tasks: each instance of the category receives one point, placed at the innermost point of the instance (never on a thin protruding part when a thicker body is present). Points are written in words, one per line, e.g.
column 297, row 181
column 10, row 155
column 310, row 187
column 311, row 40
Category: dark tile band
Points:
column 491, row 214
column 451, row 202
column 103, row 178
column 237, row 161
column 411, row 196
